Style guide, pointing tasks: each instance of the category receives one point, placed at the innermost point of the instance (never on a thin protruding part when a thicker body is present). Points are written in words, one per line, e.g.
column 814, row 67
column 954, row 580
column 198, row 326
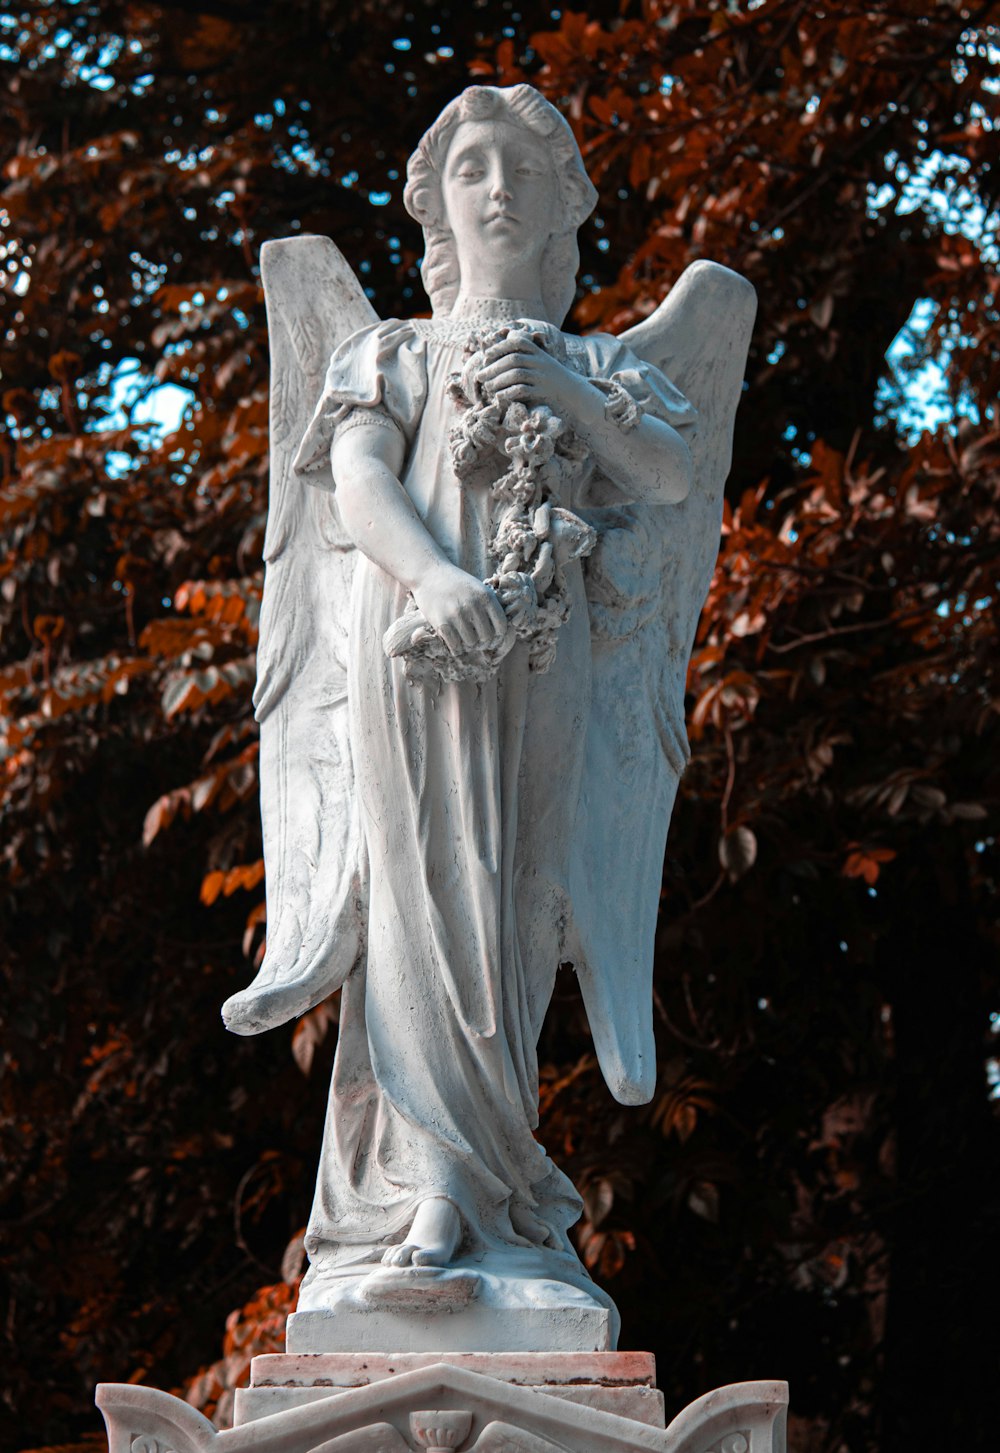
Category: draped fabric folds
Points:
column 468, row 803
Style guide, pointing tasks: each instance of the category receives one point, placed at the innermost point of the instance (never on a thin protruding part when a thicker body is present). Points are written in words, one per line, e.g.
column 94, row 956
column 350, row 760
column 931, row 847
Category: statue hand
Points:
column 465, row 613
column 517, row 370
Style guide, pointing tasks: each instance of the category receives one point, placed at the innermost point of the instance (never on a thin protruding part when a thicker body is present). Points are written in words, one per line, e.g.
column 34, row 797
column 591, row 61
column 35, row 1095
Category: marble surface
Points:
column 563, row 1325
column 443, row 1406
column 622, row 1383
column 488, row 545
column 557, row 1369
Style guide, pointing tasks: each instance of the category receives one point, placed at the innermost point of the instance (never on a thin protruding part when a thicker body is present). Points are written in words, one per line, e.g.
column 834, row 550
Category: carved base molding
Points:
column 351, row 1327
column 612, row 1382
column 452, row 1403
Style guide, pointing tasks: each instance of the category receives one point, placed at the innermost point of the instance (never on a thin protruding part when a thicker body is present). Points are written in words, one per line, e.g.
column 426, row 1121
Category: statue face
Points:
column 500, row 191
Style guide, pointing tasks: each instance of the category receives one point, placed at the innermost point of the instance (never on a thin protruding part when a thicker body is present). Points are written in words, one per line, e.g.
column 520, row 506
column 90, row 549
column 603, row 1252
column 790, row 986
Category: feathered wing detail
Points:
column 312, row 841
column 646, row 583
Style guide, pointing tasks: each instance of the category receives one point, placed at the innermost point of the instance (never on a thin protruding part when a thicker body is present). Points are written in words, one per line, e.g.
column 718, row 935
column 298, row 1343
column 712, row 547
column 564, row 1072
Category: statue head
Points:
column 565, row 195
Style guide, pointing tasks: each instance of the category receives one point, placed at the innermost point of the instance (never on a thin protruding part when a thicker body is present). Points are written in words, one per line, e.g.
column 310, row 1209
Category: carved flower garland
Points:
column 526, row 459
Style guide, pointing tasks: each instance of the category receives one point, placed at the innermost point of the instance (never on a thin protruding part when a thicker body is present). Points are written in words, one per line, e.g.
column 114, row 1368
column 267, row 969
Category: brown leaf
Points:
column 211, row 887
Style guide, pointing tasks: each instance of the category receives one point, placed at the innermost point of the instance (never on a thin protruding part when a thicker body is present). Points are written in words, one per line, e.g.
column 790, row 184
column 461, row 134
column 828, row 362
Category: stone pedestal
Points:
column 613, row 1382
column 415, row 1402
column 479, row 1324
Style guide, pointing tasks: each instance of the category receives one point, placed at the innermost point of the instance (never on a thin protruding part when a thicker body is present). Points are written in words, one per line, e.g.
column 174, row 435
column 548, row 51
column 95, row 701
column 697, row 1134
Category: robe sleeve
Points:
column 612, row 362
column 377, row 376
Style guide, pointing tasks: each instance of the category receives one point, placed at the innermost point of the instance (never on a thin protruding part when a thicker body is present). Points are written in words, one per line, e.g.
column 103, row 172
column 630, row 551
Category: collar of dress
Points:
column 472, row 309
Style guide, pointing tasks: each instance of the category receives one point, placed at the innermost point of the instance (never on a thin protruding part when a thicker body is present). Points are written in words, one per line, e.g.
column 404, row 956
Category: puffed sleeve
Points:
column 377, row 376
column 612, row 364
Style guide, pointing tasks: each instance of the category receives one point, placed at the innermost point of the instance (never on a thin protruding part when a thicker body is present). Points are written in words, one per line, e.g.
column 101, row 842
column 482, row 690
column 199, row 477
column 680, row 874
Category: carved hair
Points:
column 424, row 197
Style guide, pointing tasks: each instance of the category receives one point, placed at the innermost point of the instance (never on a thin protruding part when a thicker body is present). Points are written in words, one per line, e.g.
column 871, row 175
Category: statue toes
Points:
column 430, row 1256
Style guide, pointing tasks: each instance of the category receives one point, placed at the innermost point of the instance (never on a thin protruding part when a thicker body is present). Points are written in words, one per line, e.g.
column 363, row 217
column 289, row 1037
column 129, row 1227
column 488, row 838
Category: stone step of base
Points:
column 639, row 1403
column 527, row 1369
column 477, row 1327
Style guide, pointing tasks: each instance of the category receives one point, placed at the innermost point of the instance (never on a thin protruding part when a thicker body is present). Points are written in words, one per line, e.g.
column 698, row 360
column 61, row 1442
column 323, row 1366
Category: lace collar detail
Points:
column 457, row 330
column 477, row 311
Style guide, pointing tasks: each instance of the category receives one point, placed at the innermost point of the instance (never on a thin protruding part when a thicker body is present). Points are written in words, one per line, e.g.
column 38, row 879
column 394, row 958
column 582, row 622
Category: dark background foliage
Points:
column 813, row 1193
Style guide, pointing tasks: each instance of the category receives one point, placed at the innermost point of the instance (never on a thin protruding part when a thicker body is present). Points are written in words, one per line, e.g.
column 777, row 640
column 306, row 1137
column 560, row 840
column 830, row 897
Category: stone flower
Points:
column 519, row 600
column 514, row 535
column 535, row 441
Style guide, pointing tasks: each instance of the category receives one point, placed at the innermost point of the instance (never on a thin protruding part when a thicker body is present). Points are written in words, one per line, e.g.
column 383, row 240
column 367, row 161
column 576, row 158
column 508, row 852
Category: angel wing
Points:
column 313, row 851
column 646, row 583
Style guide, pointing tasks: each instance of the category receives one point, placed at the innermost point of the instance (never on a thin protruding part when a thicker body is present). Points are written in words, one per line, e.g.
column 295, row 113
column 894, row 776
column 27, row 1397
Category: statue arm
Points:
column 644, row 455
column 380, row 519
column 375, row 509
column 649, row 461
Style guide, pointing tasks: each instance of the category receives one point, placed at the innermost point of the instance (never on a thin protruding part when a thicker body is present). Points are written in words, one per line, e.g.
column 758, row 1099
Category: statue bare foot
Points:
column 432, row 1239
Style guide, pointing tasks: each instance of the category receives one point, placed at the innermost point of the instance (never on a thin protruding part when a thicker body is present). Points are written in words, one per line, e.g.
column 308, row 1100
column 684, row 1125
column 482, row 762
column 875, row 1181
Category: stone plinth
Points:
column 472, row 1403
column 479, row 1326
column 622, row 1383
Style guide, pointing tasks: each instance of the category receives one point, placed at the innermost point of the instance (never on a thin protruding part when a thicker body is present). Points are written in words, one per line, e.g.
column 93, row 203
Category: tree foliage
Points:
column 813, row 1193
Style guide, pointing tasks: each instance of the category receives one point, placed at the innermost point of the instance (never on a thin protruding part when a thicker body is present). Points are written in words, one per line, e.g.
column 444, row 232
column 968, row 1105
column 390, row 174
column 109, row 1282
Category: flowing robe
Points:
column 468, row 798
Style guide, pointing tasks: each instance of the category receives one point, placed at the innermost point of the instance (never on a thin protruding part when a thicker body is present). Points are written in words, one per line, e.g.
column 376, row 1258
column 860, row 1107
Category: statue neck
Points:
column 480, row 308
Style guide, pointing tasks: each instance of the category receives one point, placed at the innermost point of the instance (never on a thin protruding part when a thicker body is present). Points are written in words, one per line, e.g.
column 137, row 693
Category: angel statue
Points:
column 488, row 545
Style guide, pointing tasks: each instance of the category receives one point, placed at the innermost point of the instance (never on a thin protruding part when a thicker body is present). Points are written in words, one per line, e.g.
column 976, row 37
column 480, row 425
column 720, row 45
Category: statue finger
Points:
column 501, row 365
column 497, row 614
column 468, row 633
column 451, row 638
column 489, row 630
column 508, row 346
column 501, row 349
column 511, row 376
column 520, row 393
column 483, row 631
